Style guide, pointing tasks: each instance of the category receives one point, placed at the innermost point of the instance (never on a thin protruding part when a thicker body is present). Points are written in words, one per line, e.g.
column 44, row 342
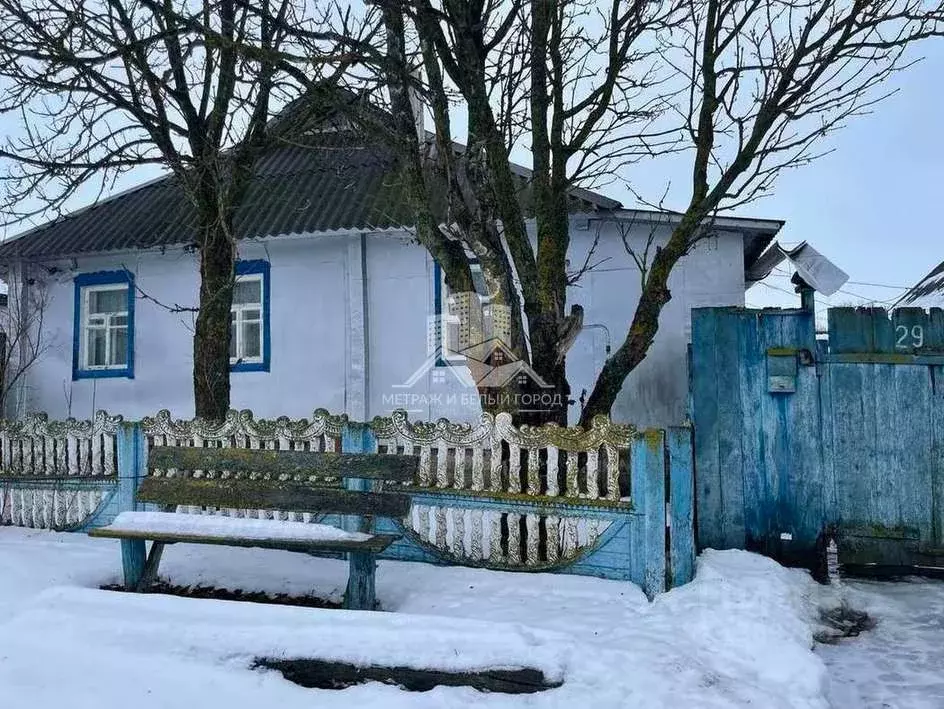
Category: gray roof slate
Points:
column 293, row 190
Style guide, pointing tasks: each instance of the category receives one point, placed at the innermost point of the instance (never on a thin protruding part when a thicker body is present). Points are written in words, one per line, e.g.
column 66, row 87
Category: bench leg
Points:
column 149, row 575
column 132, row 561
column 360, row 583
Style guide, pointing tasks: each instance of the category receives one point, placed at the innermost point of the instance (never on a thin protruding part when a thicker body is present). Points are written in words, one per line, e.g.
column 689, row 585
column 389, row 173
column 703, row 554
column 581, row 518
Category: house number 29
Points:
column 909, row 337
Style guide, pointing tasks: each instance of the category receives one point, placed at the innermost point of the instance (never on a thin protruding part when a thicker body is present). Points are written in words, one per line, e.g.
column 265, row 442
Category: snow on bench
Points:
column 184, row 525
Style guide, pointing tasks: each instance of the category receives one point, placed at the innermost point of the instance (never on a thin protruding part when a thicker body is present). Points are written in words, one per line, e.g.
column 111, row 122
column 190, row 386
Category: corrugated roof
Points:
column 926, row 293
column 342, row 185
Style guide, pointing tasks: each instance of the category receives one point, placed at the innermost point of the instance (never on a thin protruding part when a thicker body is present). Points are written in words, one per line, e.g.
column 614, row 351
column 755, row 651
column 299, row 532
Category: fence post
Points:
column 132, row 466
column 357, row 438
column 648, row 495
column 681, row 506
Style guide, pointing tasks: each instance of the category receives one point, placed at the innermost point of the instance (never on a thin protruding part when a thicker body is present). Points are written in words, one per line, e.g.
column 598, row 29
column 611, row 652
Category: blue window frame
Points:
column 103, row 328
column 250, row 348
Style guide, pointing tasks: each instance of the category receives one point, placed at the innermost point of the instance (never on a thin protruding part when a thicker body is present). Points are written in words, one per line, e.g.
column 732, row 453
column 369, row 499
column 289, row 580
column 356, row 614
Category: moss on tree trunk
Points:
column 211, row 340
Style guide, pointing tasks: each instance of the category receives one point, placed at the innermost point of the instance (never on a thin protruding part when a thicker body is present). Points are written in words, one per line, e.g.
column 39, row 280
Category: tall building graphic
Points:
column 468, row 321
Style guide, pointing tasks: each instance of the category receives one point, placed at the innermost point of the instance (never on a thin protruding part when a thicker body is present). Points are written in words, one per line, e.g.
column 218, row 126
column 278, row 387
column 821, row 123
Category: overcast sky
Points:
column 872, row 206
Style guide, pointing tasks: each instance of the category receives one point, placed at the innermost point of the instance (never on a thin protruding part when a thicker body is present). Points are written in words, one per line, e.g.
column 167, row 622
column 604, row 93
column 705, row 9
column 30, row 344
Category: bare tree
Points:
column 744, row 89
column 537, row 75
column 767, row 81
column 105, row 86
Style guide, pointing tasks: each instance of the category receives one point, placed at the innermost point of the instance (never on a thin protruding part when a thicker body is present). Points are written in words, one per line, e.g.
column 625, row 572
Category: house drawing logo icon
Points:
column 493, row 365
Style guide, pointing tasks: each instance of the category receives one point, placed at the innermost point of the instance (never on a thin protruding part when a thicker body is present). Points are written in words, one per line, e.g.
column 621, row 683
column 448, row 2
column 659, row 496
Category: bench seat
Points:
column 254, row 479
column 171, row 528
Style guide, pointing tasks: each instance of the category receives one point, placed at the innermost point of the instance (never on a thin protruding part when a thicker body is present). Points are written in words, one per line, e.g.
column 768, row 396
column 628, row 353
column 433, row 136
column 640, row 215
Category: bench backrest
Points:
column 268, row 489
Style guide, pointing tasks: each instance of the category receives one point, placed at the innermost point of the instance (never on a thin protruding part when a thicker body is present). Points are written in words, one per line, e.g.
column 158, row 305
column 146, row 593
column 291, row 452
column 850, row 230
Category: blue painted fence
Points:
column 641, row 530
column 799, row 438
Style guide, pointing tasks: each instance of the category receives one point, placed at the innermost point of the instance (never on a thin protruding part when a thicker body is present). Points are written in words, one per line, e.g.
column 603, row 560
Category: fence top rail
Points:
column 275, row 463
column 500, row 428
column 244, row 423
column 488, row 431
column 39, row 426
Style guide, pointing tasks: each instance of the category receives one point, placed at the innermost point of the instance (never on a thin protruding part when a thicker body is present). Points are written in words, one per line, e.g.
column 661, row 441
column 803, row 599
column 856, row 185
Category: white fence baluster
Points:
column 593, row 480
column 552, row 487
column 49, row 445
column 552, row 538
column 476, row 538
column 459, row 466
column 593, row 532
column 478, row 471
column 424, row 466
column 98, row 467
column 440, row 526
column 514, row 468
column 569, row 536
column 573, row 487
column 6, row 462
column 514, row 538
column 532, row 527
column 612, row 472
column 85, row 456
column 534, row 471
column 495, row 467
column 458, row 547
column 108, row 455
column 442, row 461
column 495, row 554
column 28, row 456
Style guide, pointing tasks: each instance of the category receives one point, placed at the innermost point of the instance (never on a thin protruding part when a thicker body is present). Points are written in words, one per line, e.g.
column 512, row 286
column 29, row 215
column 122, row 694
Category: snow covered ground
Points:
column 899, row 664
column 738, row 636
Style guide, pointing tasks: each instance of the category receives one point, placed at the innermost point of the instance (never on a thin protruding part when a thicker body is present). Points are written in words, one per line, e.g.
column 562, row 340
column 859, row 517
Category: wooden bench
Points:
column 270, row 490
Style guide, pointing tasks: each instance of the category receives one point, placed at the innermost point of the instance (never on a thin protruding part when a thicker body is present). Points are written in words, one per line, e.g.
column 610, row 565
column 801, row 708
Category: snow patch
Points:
column 738, row 636
column 237, row 527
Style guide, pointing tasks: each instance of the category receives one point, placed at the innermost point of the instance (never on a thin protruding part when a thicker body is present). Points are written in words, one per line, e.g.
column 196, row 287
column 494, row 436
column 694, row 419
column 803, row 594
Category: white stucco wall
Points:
column 320, row 355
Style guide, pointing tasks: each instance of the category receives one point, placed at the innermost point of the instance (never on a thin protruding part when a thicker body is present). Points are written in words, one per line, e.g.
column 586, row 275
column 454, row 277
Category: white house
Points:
column 336, row 302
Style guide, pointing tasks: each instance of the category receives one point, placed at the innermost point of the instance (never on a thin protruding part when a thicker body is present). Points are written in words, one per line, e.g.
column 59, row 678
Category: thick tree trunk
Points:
column 645, row 323
column 211, row 338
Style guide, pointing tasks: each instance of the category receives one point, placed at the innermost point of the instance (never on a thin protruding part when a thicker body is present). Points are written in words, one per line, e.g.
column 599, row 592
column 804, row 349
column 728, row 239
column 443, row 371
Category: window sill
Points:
column 249, row 367
column 125, row 372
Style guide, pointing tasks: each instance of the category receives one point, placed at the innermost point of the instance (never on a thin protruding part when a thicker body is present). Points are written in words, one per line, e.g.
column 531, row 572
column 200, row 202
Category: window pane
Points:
column 108, row 301
column 232, row 337
column 251, row 314
column 119, row 346
column 247, row 291
column 95, row 345
column 252, row 340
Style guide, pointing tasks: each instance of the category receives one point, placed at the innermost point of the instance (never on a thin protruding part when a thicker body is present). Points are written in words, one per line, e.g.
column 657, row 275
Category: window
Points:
column 249, row 318
column 103, row 338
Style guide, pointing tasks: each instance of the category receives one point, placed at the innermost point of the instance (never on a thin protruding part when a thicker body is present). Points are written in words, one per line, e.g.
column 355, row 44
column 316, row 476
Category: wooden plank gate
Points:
column 798, row 438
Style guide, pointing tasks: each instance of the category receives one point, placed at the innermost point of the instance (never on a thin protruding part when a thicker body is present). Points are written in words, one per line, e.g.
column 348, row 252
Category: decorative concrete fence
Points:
column 57, row 474
column 612, row 501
